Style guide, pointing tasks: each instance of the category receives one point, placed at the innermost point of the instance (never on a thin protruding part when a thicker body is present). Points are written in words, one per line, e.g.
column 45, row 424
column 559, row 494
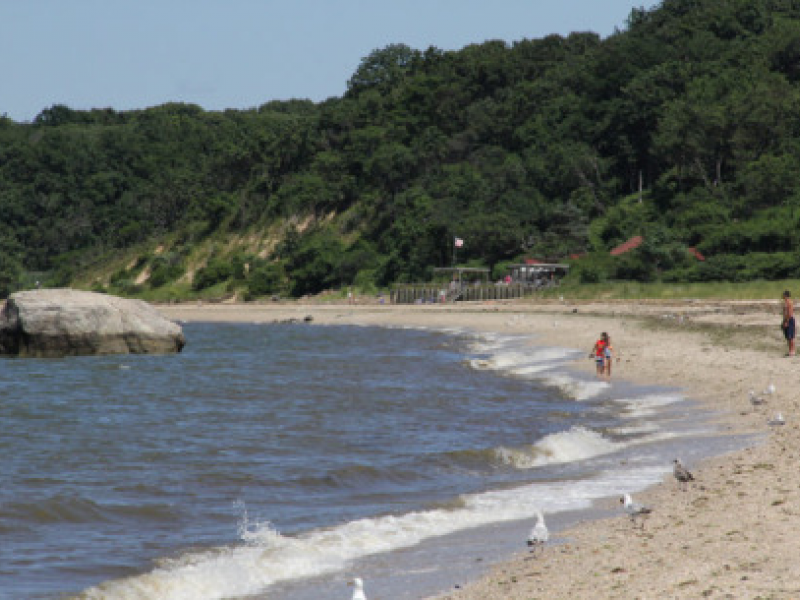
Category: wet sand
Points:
column 731, row 534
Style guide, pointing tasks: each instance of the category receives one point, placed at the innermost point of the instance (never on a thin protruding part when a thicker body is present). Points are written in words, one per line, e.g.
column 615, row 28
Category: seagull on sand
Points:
column 777, row 420
column 539, row 535
column 770, row 391
column 681, row 473
column 634, row 509
column 358, row 593
column 756, row 400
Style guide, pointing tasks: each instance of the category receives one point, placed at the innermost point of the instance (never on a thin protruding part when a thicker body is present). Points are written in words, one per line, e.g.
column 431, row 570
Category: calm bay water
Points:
column 265, row 460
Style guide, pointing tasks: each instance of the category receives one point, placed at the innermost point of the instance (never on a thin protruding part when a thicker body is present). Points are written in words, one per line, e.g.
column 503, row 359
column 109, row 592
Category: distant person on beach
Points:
column 788, row 321
column 599, row 354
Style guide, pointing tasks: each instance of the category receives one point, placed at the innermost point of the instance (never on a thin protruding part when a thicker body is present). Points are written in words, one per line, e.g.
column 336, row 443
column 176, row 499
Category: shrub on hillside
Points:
column 592, row 268
column 216, row 271
column 10, row 272
column 737, row 268
column 265, row 279
column 634, row 266
column 164, row 269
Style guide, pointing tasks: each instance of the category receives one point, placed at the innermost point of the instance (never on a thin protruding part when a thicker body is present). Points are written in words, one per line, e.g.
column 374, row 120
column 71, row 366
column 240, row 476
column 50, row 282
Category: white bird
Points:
column 634, row 509
column 539, row 535
column 777, row 420
column 681, row 473
column 358, row 593
column 756, row 400
column 770, row 391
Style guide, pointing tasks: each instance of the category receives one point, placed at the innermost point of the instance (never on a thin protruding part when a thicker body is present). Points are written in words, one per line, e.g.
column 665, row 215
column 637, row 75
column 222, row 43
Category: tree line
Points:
column 682, row 127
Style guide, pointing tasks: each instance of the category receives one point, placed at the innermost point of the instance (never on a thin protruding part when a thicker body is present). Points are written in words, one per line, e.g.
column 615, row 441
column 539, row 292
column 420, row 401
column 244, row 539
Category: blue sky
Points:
column 219, row 54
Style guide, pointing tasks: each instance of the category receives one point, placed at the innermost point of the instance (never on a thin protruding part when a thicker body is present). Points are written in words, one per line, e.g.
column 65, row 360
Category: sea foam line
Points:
column 578, row 443
column 266, row 557
column 575, row 444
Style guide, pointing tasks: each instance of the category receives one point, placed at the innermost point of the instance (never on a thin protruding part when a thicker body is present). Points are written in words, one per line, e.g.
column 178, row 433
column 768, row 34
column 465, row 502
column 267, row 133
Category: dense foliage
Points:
column 683, row 128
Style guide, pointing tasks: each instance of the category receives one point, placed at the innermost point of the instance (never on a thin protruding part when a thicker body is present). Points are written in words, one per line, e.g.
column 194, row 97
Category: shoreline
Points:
column 731, row 534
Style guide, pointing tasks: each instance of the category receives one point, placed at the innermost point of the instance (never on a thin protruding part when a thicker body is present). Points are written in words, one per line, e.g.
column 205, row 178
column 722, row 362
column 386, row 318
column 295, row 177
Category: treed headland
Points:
column 683, row 127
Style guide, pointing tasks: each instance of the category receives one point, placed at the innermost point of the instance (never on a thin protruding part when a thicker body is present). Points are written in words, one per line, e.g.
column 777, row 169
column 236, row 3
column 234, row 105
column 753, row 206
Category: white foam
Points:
column 578, row 443
column 454, row 331
column 509, row 359
column 266, row 557
column 520, row 362
column 577, row 389
column 479, row 363
column 648, row 405
column 636, row 429
column 531, row 370
column 507, row 355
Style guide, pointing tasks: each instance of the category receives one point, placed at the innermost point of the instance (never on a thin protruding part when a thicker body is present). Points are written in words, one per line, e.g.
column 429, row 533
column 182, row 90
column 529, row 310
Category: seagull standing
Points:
column 777, row 420
column 770, row 391
column 756, row 400
column 358, row 593
column 539, row 535
column 682, row 474
column 634, row 509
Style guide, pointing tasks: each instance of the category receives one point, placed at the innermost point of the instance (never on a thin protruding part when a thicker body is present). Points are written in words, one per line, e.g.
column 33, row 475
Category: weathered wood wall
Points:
column 431, row 293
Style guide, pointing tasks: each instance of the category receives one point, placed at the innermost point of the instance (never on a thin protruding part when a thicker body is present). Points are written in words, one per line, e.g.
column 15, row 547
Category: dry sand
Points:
column 734, row 533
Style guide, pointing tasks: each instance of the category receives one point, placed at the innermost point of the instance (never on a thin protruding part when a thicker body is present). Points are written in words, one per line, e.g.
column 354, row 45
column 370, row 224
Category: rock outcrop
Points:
column 65, row 322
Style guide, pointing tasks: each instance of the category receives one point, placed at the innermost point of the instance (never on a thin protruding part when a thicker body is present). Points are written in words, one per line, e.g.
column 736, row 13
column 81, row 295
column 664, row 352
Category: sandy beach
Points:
column 731, row 534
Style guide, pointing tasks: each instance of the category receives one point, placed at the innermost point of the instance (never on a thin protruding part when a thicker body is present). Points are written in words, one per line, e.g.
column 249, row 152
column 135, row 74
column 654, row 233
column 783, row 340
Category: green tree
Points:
column 382, row 69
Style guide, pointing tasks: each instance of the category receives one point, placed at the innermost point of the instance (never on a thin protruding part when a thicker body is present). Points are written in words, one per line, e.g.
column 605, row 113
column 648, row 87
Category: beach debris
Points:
column 634, row 509
column 681, row 473
column 358, row 593
column 539, row 535
column 756, row 400
column 777, row 420
column 770, row 391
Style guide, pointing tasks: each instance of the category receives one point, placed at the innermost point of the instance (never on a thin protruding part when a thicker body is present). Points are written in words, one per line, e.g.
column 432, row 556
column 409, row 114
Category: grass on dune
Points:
column 717, row 290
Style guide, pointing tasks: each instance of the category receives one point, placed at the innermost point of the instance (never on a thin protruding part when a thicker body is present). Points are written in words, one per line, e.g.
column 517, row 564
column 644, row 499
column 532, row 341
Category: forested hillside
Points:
column 682, row 127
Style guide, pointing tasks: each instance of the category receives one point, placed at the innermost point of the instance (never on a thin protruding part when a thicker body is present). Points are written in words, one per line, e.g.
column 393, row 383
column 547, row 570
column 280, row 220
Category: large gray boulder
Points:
column 64, row 322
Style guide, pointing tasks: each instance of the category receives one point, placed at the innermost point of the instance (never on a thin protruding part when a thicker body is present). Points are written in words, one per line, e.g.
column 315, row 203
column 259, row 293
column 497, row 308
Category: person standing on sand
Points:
column 788, row 321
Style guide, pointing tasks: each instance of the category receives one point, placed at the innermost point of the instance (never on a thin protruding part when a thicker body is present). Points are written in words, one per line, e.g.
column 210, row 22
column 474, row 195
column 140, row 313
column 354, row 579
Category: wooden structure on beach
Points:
column 430, row 293
column 450, row 284
column 538, row 275
column 471, row 284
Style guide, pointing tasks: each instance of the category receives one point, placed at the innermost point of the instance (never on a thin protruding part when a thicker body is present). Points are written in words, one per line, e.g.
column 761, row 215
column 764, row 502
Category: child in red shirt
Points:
column 599, row 353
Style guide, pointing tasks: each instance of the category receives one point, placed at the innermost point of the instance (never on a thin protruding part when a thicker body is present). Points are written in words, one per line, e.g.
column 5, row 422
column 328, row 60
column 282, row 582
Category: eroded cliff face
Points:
column 65, row 322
